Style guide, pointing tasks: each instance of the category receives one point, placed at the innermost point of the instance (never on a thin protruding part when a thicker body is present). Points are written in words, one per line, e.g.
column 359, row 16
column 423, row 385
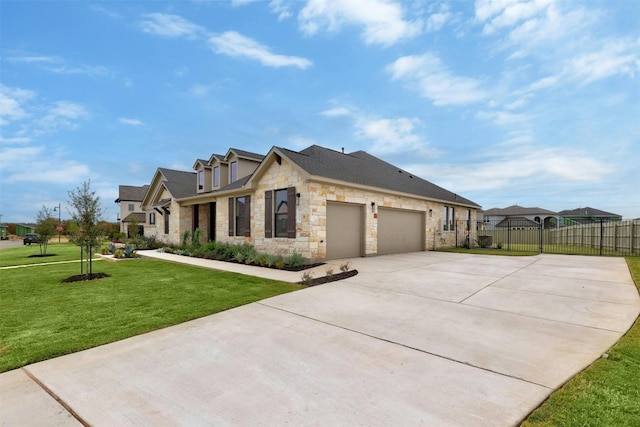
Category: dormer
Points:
column 241, row 163
column 219, row 171
column 203, row 171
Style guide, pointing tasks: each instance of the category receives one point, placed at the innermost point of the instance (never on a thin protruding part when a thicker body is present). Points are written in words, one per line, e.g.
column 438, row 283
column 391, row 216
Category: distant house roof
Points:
column 516, row 210
column 362, row 168
column 587, row 212
column 517, row 222
column 137, row 216
column 180, row 184
column 131, row 193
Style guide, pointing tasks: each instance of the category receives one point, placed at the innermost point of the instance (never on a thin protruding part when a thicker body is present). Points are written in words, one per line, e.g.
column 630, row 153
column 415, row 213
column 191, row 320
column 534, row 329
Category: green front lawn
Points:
column 607, row 393
column 43, row 318
column 27, row 254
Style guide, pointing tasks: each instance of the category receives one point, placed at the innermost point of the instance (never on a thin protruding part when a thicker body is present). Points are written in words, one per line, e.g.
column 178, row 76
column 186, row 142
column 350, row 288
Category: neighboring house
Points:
column 586, row 216
column 321, row 203
column 519, row 218
column 167, row 219
column 23, row 229
column 130, row 201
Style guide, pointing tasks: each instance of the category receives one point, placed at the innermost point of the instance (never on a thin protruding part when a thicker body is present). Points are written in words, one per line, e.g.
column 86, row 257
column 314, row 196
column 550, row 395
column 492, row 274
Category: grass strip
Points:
column 44, row 318
column 27, row 254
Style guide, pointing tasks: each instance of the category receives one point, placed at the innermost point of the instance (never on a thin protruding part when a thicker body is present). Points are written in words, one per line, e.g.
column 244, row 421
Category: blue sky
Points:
column 504, row 102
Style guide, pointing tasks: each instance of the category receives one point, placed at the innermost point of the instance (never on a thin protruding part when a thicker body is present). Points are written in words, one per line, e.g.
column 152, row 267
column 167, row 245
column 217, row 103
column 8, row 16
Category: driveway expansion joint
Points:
column 496, row 281
column 55, row 397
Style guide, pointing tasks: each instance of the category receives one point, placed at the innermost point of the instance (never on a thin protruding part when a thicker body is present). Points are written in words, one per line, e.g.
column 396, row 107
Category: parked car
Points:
column 30, row 238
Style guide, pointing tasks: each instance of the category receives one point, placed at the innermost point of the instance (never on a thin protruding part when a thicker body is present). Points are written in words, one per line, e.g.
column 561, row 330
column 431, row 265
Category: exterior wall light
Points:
column 373, row 207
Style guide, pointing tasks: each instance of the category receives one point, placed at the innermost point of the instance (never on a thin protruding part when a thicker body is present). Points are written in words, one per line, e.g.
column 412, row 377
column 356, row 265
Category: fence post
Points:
column 601, row 235
column 540, row 237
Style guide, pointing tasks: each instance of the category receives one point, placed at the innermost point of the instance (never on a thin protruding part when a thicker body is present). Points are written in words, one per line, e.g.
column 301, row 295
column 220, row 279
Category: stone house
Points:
column 130, row 201
column 519, row 218
column 587, row 216
column 321, row 203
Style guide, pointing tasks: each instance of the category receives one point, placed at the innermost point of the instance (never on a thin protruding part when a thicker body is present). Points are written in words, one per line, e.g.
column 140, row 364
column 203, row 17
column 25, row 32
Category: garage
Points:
column 345, row 230
column 400, row 231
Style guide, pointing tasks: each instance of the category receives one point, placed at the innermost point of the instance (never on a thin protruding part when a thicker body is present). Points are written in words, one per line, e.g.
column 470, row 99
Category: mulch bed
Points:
column 85, row 277
column 332, row 278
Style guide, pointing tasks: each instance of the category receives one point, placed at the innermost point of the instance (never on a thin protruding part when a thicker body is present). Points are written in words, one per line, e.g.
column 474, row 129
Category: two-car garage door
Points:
column 398, row 230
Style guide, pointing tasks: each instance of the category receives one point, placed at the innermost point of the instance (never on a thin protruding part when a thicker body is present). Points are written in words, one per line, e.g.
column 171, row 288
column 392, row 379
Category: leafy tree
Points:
column 132, row 228
column 110, row 229
column 86, row 213
column 45, row 227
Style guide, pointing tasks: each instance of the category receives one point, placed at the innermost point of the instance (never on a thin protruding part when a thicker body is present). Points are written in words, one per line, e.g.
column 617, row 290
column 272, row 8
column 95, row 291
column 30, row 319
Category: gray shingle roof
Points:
column 362, row 168
column 588, row 212
column 180, row 184
column 518, row 210
column 517, row 221
column 139, row 217
column 247, row 154
column 219, row 157
column 235, row 184
column 131, row 193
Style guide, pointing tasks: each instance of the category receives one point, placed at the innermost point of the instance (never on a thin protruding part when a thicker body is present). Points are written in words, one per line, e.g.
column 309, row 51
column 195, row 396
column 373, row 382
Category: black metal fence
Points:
column 613, row 238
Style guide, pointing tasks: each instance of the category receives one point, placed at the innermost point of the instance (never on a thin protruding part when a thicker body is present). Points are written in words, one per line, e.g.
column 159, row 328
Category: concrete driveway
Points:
column 425, row 338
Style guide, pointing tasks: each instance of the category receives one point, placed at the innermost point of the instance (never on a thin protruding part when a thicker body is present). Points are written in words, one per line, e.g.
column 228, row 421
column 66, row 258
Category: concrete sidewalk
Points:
column 425, row 338
column 250, row 270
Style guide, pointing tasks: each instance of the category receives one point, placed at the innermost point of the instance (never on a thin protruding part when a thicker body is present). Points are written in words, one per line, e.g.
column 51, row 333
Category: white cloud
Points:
column 44, row 166
column 173, row 26
column 615, row 57
column 436, row 21
column 57, row 65
column 132, row 122
column 387, row 135
column 382, row 21
column 280, row 8
column 508, row 166
column 60, row 115
column 337, row 112
column 532, row 27
column 234, row 44
column 504, row 118
column 12, row 102
column 427, row 75
column 507, row 13
column 299, row 142
column 64, row 172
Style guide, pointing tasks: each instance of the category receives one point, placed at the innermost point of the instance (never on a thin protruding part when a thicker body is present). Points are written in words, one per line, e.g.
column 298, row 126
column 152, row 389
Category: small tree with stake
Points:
column 87, row 212
column 46, row 228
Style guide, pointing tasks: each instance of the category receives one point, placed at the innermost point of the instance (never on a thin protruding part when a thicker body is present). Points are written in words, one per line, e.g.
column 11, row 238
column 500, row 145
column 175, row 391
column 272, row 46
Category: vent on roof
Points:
column 342, row 150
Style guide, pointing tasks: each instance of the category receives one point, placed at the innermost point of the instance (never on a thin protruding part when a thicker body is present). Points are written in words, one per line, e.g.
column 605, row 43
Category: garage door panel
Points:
column 345, row 230
column 400, row 231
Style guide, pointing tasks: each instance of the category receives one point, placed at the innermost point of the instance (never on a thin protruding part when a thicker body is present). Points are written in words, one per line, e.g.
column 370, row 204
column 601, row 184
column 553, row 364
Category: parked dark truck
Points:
column 30, row 238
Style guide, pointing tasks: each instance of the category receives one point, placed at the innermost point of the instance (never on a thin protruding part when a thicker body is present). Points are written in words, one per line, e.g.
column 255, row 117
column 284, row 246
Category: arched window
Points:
column 537, row 219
